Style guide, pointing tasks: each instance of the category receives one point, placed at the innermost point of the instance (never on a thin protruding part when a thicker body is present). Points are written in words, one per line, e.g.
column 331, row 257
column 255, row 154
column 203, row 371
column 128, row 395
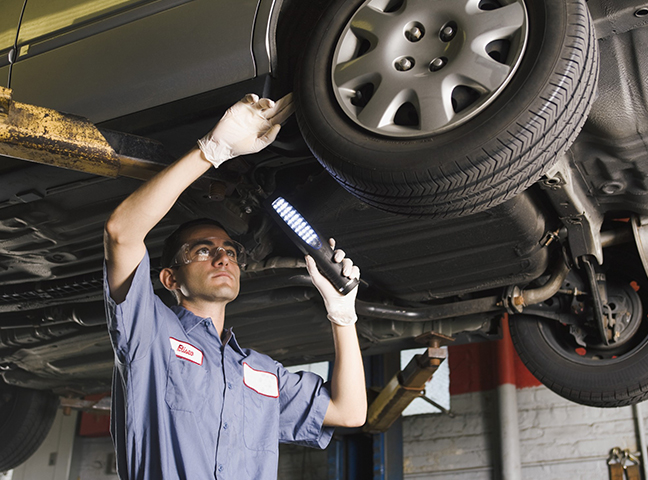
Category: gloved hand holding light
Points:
column 310, row 243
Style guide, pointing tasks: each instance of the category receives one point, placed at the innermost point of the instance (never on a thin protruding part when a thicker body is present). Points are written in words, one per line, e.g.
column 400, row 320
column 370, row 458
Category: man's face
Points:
column 216, row 279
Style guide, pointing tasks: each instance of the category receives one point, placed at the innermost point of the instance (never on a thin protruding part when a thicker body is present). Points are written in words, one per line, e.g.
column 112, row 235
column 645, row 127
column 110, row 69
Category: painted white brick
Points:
column 558, row 439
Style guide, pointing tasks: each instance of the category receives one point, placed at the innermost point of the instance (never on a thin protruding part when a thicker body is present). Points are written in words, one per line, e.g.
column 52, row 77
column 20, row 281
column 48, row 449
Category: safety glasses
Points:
column 207, row 249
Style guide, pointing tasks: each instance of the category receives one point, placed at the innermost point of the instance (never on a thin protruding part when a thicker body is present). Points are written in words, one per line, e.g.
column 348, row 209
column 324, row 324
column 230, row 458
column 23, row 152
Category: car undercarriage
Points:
column 565, row 259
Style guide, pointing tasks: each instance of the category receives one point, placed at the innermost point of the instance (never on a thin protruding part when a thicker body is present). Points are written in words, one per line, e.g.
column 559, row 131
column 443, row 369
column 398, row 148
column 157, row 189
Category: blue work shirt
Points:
column 188, row 405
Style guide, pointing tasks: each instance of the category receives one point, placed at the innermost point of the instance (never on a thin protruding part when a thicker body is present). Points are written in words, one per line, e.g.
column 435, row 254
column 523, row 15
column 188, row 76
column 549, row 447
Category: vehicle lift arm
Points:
column 43, row 135
column 407, row 384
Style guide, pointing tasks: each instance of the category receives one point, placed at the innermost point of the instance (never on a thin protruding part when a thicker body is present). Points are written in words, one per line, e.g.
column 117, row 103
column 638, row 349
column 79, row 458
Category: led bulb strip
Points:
column 296, row 222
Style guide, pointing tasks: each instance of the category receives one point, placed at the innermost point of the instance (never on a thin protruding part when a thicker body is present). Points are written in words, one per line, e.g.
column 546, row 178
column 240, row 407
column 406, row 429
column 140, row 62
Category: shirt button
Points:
column 220, row 467
column 225, row 426
column 229, row 385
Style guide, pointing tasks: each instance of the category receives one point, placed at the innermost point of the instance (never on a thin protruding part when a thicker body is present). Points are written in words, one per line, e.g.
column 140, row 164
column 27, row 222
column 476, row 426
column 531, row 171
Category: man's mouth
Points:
column 222, row 273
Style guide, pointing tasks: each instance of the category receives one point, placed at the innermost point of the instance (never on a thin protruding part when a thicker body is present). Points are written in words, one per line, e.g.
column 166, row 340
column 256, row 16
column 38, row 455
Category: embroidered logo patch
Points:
column 186, row 351
column 265, row 383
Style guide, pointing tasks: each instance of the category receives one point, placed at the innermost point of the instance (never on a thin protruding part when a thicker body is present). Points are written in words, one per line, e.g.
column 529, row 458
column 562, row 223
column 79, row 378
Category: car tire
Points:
column 594, row 375
column 471, row 160
column 26, row 417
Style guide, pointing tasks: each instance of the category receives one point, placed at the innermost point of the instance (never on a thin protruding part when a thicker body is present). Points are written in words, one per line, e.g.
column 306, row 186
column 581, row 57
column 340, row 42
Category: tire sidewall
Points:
column 588, row 384
column 31, row 417
column 326, row 125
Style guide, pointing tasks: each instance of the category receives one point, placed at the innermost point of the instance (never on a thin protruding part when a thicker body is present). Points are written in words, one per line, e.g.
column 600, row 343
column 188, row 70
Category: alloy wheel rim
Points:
column 417, row 68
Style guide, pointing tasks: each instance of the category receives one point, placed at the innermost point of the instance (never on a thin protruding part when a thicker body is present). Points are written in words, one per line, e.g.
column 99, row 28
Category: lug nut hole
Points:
column 404, row 64
column 438, row 63
column 448, row 32
column 414, row 31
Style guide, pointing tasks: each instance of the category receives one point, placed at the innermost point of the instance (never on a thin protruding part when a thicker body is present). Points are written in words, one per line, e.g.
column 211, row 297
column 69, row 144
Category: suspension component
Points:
column 602, row 317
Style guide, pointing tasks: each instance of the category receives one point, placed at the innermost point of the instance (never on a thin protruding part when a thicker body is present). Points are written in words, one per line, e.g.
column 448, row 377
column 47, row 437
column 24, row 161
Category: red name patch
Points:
column 186, row 351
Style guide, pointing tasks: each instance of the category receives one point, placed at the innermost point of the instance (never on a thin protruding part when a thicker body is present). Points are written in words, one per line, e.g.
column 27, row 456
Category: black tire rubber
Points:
column 614, row 382
column 479, row 164
column 26, row 417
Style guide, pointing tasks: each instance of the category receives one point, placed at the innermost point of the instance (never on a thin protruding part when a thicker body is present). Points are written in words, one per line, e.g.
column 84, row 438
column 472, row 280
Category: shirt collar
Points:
column 229, row 336
column 189, row 321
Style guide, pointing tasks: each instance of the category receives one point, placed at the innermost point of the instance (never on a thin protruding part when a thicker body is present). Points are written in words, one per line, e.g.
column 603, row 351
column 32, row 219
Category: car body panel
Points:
column 174, row 44
column 609, row 155
column 9, row 22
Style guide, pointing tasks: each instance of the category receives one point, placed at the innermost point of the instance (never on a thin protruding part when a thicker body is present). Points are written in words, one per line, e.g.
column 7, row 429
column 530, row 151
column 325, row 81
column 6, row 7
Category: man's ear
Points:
column 168, row 279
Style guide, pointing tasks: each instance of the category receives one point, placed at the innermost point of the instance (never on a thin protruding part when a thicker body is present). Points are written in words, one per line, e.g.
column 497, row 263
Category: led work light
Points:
column 310, row 243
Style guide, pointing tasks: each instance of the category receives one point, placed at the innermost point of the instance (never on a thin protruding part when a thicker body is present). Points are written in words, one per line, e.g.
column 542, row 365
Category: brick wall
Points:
column 558, row 439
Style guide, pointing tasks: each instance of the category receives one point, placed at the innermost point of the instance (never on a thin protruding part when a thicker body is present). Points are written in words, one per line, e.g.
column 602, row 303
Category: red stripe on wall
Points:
column 95, row 424
column 476, row 367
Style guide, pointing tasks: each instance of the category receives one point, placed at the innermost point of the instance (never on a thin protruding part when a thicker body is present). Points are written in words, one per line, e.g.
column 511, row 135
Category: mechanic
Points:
column 187, row 401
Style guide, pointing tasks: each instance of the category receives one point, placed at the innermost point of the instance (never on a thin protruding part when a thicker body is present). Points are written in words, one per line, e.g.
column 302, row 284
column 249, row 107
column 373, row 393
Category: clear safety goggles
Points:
column 207, row 249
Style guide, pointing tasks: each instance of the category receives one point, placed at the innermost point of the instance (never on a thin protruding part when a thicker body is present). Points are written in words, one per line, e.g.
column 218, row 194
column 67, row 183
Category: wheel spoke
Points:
column 355, row 72
column 486, row 26
column 480, row 72
column 382, row 107
column 368, row 22
column 435, row 115
column 435, row 106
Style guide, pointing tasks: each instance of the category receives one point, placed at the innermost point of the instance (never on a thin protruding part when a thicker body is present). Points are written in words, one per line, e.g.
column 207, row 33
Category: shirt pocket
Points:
column 261, row 425
column 187, row 385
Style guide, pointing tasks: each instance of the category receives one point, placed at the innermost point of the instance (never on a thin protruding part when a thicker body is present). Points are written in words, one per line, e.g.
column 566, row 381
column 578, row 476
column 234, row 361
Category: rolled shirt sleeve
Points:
column 131, row 323
column 304, row 399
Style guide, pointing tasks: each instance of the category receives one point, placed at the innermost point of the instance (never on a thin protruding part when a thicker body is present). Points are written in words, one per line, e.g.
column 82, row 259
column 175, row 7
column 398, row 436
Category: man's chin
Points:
column 227, row 294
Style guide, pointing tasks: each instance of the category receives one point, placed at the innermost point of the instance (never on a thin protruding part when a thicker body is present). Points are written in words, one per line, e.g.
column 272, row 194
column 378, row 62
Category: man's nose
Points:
column 220, row 257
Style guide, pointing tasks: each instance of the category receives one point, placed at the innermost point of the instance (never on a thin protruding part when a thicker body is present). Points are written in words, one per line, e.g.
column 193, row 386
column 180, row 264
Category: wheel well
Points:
column 295, row 23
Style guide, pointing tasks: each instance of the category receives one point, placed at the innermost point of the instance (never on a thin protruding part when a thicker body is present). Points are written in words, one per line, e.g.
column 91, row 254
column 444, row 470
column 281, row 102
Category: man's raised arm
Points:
column 247, row 127
column 348, row 406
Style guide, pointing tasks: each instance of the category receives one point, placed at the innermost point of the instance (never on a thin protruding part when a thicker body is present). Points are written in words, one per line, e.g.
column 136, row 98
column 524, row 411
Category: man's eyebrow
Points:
column 209, row 243
column 201, row 241
column 229, row 243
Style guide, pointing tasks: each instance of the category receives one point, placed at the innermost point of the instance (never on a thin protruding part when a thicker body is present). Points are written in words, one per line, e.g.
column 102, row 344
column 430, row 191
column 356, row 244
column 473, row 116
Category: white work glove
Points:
column 340, row 308
column 246, row 127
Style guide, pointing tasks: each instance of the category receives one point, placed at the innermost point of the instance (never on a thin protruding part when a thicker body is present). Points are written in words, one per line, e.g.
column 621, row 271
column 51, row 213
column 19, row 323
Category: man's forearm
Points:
column 246, row 127
column 348, row 407
column 144, row 208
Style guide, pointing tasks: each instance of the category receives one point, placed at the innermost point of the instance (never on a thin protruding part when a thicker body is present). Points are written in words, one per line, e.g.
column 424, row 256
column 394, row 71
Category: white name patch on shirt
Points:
column 265, row 383
column 186, row 351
